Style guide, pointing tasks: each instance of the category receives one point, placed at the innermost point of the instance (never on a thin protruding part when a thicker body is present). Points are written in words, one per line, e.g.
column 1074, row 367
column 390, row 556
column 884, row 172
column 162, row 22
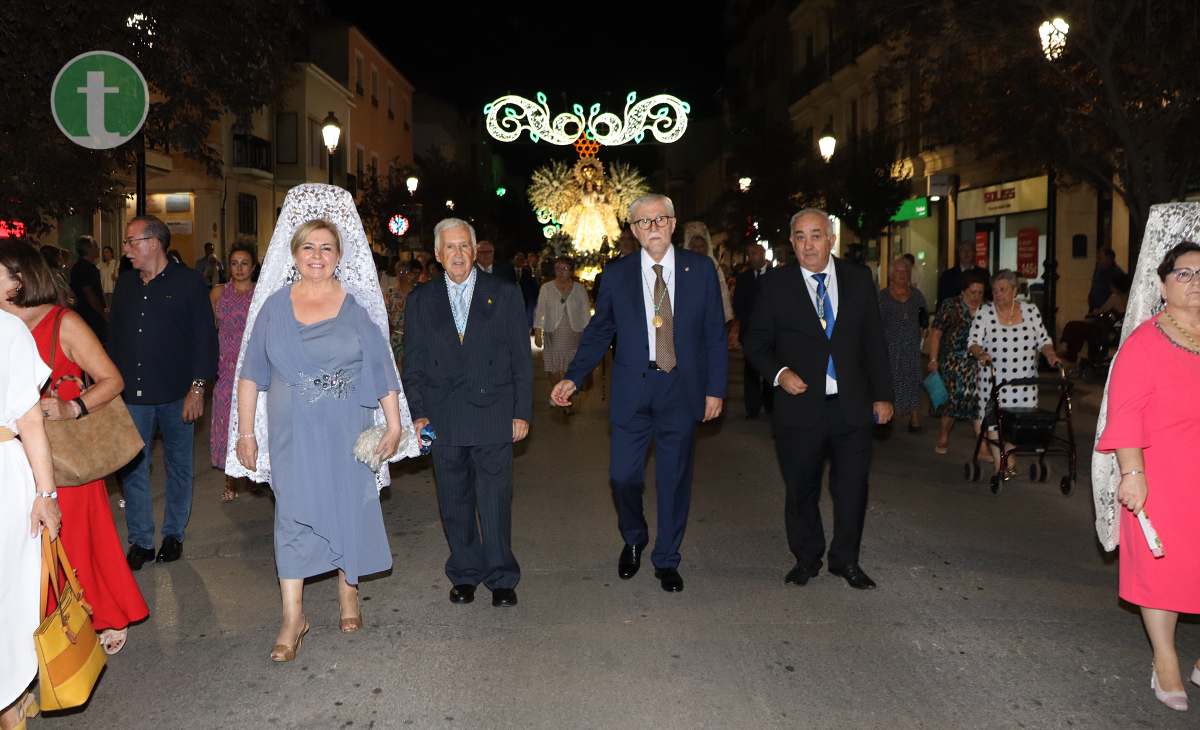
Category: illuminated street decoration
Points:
column 398, row 225
column 662, row 115
column 12, row 229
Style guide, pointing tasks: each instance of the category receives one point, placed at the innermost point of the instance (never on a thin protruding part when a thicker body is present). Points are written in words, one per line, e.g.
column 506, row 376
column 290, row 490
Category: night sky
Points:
column 472, row 53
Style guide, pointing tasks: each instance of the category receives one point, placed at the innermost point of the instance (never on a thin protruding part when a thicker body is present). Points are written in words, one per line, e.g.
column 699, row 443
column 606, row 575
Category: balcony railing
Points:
column 252, row 152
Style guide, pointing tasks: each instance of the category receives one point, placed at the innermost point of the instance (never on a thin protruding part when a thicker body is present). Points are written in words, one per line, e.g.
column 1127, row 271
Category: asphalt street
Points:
column 991, row 612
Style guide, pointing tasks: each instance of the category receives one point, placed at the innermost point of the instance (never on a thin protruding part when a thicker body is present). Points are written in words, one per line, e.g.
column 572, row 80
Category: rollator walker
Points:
column 1031, row 431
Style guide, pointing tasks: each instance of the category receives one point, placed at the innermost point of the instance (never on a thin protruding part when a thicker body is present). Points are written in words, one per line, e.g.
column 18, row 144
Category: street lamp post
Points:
column 331, row 132
column 411, row 183
column 827, row 143
column 744, row 184
column 1053, row 36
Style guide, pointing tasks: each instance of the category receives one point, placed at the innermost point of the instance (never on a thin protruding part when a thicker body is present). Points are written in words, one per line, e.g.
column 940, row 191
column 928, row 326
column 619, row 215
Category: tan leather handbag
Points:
column 70, row 657
column 94, row 446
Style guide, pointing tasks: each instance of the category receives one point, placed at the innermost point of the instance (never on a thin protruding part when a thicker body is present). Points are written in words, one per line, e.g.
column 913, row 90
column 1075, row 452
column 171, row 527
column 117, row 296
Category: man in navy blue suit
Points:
column 468, row 374
column 669, row 373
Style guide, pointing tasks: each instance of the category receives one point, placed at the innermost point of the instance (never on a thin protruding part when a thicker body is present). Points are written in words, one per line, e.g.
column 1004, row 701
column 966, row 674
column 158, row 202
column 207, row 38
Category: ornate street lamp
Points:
column 744, row 184
column 1053, row 34
column 449, row 205
column 411, row 183
column 331, row 132
column 827, row 143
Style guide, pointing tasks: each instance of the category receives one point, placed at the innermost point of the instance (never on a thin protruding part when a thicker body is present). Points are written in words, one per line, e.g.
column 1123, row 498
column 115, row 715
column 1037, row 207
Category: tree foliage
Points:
column 1119, row 109
column 201, row 60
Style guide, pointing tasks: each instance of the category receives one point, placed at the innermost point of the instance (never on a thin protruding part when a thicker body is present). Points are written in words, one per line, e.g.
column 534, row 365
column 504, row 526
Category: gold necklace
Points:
column 1195, row 347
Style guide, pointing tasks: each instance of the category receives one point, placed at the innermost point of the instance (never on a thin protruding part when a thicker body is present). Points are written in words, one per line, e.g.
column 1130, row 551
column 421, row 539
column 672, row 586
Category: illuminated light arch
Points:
column 664, row 116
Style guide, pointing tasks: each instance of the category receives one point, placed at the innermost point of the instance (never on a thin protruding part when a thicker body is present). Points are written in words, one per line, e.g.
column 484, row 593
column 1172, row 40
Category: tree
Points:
column 201, row 60
column 1119, row 108
column 860, row 184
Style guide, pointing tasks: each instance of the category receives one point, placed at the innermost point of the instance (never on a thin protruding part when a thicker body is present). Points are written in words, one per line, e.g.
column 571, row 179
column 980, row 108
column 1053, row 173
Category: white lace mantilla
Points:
column 1168, row 225
column 356, row 272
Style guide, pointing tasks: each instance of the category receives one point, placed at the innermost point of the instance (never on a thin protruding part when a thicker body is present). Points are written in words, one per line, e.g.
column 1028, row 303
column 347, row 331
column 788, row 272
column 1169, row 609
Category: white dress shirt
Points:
column 648, row 280
column 810, row 280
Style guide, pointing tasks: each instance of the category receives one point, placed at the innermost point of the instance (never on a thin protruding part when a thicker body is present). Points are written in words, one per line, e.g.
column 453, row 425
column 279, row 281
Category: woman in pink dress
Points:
column 1154, row 426
column 231, row 304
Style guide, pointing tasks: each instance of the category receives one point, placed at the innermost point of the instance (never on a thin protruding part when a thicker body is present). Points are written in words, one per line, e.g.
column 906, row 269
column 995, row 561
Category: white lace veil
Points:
column 356, row 272
column 1167, row 225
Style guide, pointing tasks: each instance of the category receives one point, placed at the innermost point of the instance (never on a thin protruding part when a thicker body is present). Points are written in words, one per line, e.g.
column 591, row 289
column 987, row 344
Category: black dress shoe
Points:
column 801, row 573
column 504, row 597
column 170, row 551
column 854, row 575
column 138, row 556
column 462, row 593
column 631, row 560
column 671, row 581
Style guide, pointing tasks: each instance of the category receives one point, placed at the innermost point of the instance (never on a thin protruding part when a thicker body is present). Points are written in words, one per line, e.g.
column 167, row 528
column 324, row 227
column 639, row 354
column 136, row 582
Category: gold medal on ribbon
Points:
column 824, row 326
column 657, row 321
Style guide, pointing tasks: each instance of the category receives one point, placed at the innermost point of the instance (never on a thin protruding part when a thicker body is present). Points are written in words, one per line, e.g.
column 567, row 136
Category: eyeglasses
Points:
column 1185, row 276
column 131, row 241
column 657, row 221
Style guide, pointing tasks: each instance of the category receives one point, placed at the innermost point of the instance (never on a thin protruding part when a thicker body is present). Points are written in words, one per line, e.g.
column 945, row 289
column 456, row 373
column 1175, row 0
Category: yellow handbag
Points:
column 70, row 657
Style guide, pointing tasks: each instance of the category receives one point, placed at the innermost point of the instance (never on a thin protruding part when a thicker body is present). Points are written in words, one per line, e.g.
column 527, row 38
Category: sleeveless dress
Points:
column 21, row 374
column 88, row 533
column 232, row 309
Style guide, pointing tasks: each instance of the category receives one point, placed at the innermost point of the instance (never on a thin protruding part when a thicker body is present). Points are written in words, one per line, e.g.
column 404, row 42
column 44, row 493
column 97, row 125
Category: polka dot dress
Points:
column 1014, row 350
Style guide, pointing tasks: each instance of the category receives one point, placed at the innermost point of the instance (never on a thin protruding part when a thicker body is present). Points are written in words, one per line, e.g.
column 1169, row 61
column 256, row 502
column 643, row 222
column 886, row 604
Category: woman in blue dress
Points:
column 326, row 368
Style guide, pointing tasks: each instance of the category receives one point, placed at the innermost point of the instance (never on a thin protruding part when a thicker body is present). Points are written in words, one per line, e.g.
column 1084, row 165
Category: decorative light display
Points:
column 501, row 192
column 1053, row 34
column 586, row 146
column 662, row 115
column 449, row 205
column 744, row 184
column 588, row 204
column 550, row 231
column 398, row 225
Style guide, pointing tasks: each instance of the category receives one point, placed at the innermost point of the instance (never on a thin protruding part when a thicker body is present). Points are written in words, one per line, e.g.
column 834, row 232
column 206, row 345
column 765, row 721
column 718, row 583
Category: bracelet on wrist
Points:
column 1131, row 472
column 83, row 411
column 245, row 436
column 48, row 495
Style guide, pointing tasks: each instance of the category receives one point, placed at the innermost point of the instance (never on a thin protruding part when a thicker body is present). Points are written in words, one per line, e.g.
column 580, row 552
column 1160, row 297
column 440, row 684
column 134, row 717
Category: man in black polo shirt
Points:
column 165, row 345
column 950, row 283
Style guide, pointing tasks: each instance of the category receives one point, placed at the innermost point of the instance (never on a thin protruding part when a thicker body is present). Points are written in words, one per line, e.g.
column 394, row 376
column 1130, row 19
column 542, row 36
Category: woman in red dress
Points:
column 88, row 534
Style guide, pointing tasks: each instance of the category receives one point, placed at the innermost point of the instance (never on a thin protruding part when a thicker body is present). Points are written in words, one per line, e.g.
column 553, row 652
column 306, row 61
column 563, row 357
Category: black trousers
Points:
column 758, row 390
column 802, row 455
column 477, row 480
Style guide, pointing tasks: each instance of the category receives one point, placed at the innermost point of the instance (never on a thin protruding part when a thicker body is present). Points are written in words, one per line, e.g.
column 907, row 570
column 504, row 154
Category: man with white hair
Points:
column 468, row 375
column 668, row 375
column 817, row 333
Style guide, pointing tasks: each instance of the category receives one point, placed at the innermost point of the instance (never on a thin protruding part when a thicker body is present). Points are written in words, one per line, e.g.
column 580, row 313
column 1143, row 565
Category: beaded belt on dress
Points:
column 336, row 384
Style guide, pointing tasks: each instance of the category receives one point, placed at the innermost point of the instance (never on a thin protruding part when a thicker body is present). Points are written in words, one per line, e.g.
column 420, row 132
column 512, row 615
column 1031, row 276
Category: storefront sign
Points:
column 981, row 249
column 911, row 209
column 1027, row 253
column 12, row 229
column 1010, row 197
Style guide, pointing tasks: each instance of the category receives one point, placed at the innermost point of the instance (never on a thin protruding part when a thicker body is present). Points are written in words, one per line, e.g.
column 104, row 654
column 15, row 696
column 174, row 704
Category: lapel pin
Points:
column 687, row 268
column 489, row 300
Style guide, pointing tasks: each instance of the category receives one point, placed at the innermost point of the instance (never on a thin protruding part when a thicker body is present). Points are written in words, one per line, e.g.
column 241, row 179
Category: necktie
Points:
column 460, row 310
column 828, row 317
column 664, row 338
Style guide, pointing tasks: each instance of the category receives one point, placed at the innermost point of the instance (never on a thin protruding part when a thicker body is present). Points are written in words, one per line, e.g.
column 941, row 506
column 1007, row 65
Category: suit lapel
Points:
column 843, row 295
column 442, row 314
column 634, row 287
column 686, row 290
column 808, row 313
column 481, row 302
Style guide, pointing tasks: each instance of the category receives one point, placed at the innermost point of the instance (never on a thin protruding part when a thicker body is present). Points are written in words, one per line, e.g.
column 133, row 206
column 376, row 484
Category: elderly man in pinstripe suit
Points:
column 468, row 374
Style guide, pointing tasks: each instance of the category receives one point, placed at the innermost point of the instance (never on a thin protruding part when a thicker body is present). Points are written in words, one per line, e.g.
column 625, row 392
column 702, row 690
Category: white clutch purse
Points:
column 367, row 445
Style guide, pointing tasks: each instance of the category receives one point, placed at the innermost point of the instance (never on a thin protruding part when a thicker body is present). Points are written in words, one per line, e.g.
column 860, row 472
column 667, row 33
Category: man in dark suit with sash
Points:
column 669, row 374
column 468, row 374
column 816, row 332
